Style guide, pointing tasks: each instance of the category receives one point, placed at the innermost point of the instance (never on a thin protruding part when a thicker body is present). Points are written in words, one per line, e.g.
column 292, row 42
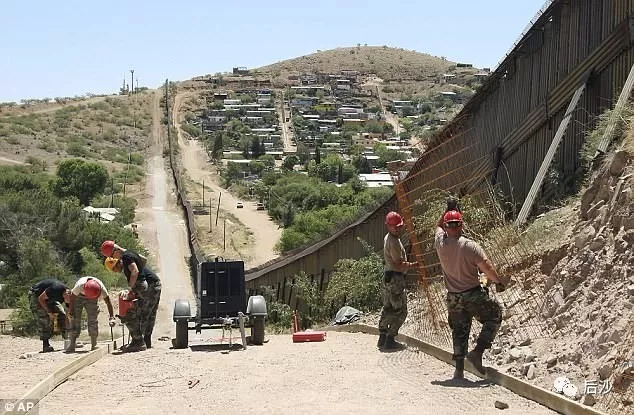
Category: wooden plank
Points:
column 539, row 179
column 53, row 380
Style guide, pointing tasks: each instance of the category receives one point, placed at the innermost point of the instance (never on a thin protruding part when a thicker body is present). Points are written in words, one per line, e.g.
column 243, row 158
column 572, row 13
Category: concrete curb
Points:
column 542, row 396
column 53, row 380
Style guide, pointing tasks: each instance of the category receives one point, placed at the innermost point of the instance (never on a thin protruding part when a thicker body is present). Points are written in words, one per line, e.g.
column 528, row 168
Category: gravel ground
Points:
column 343, row 375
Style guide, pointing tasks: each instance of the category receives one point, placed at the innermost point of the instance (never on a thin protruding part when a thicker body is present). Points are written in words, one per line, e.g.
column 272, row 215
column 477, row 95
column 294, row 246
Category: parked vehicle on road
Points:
column 260, row 206
column 239, row 205
column 221, row 304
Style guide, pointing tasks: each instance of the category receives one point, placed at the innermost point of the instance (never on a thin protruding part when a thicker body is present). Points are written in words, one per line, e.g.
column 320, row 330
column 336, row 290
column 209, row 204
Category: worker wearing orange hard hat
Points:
column 394, row 309
column 84, row 295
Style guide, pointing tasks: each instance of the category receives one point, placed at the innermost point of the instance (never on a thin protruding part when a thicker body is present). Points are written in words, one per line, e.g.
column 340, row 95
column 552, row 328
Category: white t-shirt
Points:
column 78, row 289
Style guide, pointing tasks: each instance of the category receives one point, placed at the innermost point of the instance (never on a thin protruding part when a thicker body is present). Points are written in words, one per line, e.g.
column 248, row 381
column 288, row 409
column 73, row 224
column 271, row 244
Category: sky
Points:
column 67, row 47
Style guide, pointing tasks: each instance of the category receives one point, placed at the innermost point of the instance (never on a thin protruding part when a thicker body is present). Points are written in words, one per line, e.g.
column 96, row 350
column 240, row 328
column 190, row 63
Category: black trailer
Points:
column 220, row 304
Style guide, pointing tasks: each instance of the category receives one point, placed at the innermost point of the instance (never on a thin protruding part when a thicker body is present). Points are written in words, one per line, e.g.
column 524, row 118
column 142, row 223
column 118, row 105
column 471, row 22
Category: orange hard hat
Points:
column 107, row 248
column 393, row 219
column 111, row 263
column 452, row 216
column 92, row 289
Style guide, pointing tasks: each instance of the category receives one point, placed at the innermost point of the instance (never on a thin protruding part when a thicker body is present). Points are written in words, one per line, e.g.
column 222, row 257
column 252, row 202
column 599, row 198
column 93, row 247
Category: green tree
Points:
column 80, row 179
column 289, row 162
column 303, row 153
column 218, row 147
column 255, row 147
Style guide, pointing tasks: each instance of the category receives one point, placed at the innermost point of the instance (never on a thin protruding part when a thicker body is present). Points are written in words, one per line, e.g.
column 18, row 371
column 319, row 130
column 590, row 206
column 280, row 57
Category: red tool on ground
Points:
column 306, row 336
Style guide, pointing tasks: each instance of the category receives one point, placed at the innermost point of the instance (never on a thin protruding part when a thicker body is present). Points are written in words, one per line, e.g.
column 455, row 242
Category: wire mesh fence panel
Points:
column 485, row 211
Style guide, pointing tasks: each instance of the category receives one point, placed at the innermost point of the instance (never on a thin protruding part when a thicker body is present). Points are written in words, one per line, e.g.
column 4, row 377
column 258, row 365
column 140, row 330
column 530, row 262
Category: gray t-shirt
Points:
column 459, row 258
column 393, row 252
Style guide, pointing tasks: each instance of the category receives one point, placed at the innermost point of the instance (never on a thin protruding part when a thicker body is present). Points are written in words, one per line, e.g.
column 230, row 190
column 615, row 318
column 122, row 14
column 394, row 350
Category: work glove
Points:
column 453, row 204
column 52, row 316
column 111, row 322
column 126, row 295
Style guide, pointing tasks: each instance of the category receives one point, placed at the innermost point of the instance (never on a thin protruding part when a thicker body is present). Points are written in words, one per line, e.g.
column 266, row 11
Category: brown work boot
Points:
column 137, row 345
column 391, row 344
column 46, row 347
column 93, row 343
column 148, row 341
column 71, row 345
column 458, row 374
column 475, row 357
column 381, row 343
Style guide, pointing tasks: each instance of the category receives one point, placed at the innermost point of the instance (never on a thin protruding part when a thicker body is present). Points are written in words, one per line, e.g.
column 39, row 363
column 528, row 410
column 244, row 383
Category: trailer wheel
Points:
column 182, row 335
column 257, row 331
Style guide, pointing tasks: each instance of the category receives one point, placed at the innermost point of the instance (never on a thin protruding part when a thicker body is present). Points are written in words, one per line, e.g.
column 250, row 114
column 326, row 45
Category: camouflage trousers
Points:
column 462, row 308
column 141, row 318
column 394, row 309
column 44, row 323
column 92, row 311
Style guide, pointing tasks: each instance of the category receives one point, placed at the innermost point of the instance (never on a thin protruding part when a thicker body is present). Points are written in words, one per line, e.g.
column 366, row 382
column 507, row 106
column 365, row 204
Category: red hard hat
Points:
column 452, row 216
column 107, row 247
column 92, row 289
column 393, row 219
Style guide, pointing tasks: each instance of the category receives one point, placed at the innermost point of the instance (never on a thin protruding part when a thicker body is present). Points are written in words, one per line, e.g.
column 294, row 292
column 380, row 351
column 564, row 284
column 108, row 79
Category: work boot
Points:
column 458, row 374
column 71, row 345
column 475, row 357
column 93, row 342
column 391, row 344
column 148, row 341
column 381, row 343
column 46, row 347
column 137, row 345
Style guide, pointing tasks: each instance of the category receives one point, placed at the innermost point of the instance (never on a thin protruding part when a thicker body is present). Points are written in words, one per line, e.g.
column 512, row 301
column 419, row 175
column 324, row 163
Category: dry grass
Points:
column 386, row 62
column 100, row 128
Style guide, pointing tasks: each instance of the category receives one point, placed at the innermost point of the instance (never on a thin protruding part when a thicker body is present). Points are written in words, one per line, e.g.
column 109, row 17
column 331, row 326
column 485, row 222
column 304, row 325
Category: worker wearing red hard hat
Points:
column 394, row 309
column 461, row 260
column 85, row 293
column 144, row 284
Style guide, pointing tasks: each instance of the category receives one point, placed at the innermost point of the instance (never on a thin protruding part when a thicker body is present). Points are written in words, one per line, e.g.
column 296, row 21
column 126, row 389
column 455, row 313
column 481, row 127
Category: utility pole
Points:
column 132, row 82
column 218, row 210
column 204, row 195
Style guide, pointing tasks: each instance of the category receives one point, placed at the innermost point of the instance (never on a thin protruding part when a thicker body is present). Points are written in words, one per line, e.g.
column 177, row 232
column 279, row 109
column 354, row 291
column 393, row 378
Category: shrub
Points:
column 357, row 283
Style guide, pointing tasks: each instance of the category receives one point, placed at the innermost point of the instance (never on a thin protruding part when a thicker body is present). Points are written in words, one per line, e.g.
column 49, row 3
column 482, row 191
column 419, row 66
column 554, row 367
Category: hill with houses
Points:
column 368, row 104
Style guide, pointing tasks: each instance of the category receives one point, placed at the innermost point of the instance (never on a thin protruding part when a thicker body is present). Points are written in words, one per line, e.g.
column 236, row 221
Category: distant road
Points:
column 11, row 161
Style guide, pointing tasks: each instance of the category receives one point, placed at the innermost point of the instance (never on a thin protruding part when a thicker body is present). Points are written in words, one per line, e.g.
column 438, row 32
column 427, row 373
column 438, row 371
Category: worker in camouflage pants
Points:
column 394, row 309
column 461, row 260
column 45, row 300
column 145, row 285
column 149, row 307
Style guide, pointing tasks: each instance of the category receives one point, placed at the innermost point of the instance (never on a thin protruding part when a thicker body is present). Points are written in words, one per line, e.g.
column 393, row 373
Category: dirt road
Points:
column 287, row 131
column 164, row 232
column 5, row 160
column 266, row 233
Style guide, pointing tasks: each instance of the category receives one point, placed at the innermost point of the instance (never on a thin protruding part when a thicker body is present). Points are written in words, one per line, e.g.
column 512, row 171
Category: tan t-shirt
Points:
column 393, row 252
column 459, row 258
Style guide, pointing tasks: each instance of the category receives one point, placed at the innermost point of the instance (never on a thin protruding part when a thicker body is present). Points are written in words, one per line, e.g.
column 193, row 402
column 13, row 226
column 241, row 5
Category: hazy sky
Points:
column 68, row 47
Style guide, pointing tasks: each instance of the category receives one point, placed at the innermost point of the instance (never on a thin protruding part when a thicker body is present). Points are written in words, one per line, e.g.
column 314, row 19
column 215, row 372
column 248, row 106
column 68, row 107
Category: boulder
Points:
column 618, row 162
